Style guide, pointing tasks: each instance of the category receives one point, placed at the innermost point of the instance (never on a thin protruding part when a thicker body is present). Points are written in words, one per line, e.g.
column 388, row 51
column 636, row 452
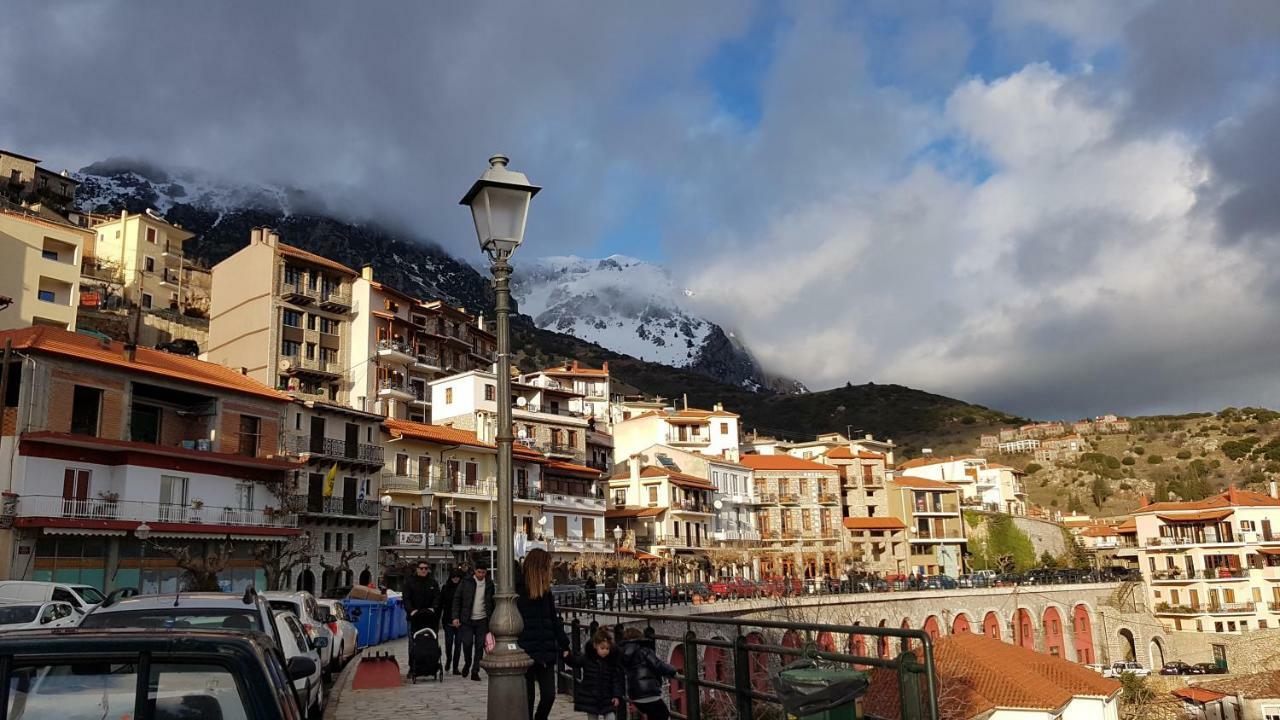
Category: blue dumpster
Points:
column 397, row 626
column 388, row 622
column 369, row 622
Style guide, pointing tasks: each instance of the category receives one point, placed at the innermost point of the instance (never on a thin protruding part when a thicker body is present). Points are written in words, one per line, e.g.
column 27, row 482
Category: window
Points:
column 653, row 495
column 311, row 321
column 244, row 496
column 448, row 396
column 292, row 318
column 724, row 428
column 149, row 264
column 86, row 403
column 151, row 235
column 351, row 541
column 146, row 300
column 619, row 497
column 329, row 327
column 144, row 423
column 173, row 498
column 290, row 348
column 250, row 427
column 469, row 522
column 46, row 296
column 15, row 176
column 49, row 254
column 489, row 392
column 327, row 541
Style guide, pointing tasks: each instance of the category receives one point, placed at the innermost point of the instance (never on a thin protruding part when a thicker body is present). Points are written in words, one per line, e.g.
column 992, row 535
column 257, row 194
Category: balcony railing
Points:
column 1232, row 608
column 459, row 485
column 788, row 498
column 151, row 512
column 692, row 506
column 575, row 501
column 404, row 483
column 827, row 498
column 100, row 270
column 688, row 440
column 528, row 493
column 937, row 534
column 313, row 364
column 334, row 296
column 333, row 448
column 1222, row 573
column 345, row 506
column 766, row 498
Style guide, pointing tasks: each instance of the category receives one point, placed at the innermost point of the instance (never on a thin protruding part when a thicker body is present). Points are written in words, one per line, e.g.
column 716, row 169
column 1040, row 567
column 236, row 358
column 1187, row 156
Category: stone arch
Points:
column 326, row 579
column 882, row 647
column 857, row 642
column 758, row 664
column 716, row 668
column 1082, row 627
column 1024, row 629
column 991, row 625
column 1155, row 651
column 678, row 703
column 1054, row 637
column 960, row 624
column 1128, row 647
column 932, row 627
column 826, row 642
column 306, row 581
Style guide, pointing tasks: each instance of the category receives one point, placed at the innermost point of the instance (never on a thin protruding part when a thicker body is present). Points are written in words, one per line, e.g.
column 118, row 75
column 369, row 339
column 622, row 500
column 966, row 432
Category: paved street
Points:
column 456, row 698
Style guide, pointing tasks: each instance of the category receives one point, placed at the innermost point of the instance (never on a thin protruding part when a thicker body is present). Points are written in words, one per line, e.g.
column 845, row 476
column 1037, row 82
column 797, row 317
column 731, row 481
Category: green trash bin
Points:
column 810, row 692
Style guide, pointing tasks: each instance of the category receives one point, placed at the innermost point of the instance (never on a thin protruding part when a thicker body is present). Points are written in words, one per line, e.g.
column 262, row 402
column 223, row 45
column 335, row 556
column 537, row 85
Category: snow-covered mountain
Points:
column 634, row 307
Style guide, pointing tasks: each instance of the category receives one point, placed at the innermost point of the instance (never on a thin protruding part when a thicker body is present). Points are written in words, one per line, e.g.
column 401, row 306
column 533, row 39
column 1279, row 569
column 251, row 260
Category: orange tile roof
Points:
column 1099, row 531
column 919, row 483
column 782, row 462
column 576, row 369
column 1198, row 695
column 434, row 433
column 1231, row 497
column 874, row 523
column 978, row 674
column 1128, row 526
column 181, row 368
column 1206, row 516
column 678, row 478
column 300, row 254
column 931, row 460
column 844, row 453
column 571, row 467
column 1254, row 686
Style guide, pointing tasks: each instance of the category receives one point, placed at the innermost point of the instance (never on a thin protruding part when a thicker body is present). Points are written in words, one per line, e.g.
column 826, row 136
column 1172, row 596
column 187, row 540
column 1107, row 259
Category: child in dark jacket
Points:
column 601, row 691
column 645, row 671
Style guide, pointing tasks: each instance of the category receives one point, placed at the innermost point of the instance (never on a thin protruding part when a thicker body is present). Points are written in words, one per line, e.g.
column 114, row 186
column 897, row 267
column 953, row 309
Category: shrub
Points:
column 1137, row 449
column 1033, row 468
column 1154, row 460
column 1128, row 460
column 1184, row 454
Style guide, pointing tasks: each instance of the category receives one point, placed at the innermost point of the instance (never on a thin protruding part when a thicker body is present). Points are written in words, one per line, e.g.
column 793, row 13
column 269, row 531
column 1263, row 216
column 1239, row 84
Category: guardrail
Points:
column 102, row 509
column 736, row 683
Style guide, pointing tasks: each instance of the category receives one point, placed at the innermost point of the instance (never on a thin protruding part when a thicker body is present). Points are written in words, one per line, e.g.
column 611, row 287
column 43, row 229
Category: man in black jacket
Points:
column 472, row 607
column 419, row 598
column 445, row 612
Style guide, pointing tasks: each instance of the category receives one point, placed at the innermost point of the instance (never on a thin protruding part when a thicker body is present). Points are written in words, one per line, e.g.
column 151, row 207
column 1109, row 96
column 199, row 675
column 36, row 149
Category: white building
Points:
column 735, row 520
column 594, row 395
column 982, row 483
column 707, row 432
column 824, row 443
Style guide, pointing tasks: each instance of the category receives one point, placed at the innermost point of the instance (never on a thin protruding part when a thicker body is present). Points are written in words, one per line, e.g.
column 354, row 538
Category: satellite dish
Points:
column 719, row 504
column 521, row 402
column 285, row 364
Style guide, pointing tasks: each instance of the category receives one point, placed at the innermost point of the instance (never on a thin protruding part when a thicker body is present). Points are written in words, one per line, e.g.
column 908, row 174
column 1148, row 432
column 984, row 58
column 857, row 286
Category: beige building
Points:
column 935, row 530
column 709, row 432
column 409, row 343
column 284, row 316
column 876, row 539
column 147, row 253
column 39, row 270
column 22, row 180
column 662, row 511
column 799, row 516
column 1212, row 565
column 820, row 445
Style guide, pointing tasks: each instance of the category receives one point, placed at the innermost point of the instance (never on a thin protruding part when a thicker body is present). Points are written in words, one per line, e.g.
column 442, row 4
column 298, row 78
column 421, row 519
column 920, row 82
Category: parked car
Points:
column 81, row 597
column 315, row 622
column 1177, row 667
column 36, row 616
column 1116, row 669
column 1208, row 668
column 939, row 582
column 187, row 611
column 297, row 643
column 744, row 588
column 343, row 630
column 722, row 587
column 79, row 673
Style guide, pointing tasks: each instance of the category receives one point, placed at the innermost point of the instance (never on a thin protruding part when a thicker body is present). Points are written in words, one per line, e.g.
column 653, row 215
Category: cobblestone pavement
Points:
column 457, row 698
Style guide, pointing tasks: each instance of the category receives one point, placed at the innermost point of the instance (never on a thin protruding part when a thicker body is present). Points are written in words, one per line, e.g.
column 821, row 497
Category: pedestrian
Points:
column 610, row 589
column 644, row 671
column 445, row 612
column 590, row 587
column 472, row 608
column 601, row 691
column 419, row 597
column 543, row 638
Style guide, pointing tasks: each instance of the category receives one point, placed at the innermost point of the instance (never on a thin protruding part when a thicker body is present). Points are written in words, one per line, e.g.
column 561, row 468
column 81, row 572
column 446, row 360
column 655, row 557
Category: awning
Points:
column 641, row 555
column 635, row 512
column 1200, row 517
column 83, row 531
column 874, row 523
column 1268, row 551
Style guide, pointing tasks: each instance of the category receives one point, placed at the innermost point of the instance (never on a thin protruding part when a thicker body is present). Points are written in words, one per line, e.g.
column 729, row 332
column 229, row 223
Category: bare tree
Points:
column 201, row 569
column 278, row 559
column 343, row 568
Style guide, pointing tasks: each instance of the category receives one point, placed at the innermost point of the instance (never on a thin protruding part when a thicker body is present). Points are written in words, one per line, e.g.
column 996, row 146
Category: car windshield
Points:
column 176, row 618
column 90, row 594
column 18, row 614
column 93, row 690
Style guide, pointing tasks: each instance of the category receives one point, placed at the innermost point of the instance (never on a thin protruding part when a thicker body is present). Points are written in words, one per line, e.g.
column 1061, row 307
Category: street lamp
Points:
column 617, row 538
column 143, row 531
column 499, row 203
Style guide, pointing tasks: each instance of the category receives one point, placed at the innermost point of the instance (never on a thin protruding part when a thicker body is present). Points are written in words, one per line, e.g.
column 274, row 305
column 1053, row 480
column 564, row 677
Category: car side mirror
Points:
column 301, row 667
column 320, row 643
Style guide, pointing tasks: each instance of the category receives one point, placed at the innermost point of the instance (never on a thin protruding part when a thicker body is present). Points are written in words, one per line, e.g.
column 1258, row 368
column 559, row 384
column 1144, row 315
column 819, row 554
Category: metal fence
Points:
column 741, row 658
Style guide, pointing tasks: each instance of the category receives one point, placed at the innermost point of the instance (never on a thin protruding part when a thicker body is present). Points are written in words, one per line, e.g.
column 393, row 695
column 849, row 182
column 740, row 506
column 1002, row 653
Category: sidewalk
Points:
column 457, row 698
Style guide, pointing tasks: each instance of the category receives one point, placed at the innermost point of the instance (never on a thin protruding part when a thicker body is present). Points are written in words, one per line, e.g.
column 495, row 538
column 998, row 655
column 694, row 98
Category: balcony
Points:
column 562, row 450
column 548, row 410
column 48, row 506
column 692, row 507
column 169, row 276
column 770, row 535
column 395, row 352
column 765, row 499
column 675, row 440
column 299, row 364
column 1194, row 609
column 336, row 299
column 360, row 453
column 828, row 498
column 1171, row 576
column 395, row 389
column 404, row 483
column 426, row 361
column 459, row 486
column 1243, row 608
column 576, row 502
column 102, row 271
column 788, row 498
column 936, row 535
column 296, row 291
column 531, row 494
column 1223, row 573
column 336, row 506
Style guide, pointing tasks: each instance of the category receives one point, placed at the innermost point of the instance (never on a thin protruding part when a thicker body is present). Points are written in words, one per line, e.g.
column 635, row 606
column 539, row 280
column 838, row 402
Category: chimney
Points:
column 124, row 214
column 271, row 237
column 1274, row 492
column 718, row 407
column 868, row 436
column 605, row 367
column 255, row 236
column 480, row 320
column 633, row 464
column 366, row 272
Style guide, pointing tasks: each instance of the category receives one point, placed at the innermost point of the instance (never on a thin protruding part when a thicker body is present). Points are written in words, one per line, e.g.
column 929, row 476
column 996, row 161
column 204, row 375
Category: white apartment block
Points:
column 707, row 432
column 991, row 486
column 1014, row 447
column 1212, row 565
column 594, row 395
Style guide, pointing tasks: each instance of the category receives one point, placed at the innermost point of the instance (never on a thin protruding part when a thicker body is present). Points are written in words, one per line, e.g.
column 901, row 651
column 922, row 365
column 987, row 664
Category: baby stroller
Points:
column 424, row 656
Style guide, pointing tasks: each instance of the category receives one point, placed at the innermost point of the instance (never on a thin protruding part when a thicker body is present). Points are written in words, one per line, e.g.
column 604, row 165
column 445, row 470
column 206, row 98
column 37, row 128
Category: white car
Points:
column 83, row 598
column 294, row 642
column 33, row 616
column 1116, row 669
column 304, row 607
column 345, row 636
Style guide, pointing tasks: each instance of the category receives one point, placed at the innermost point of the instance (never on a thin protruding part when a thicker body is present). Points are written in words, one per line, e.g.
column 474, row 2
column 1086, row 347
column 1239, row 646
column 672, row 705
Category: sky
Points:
column 1058, row 209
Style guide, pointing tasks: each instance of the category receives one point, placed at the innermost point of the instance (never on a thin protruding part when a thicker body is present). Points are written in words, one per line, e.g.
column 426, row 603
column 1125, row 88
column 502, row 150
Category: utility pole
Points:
column 4, row 381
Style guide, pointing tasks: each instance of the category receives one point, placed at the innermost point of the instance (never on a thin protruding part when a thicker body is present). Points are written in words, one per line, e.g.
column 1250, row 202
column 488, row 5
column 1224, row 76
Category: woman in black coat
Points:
column 543, row 637
column 444, row 613
column 601, row 690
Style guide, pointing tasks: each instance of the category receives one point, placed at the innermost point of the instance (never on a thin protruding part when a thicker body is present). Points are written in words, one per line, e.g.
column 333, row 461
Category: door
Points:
column 350, row 495
column 173, row 498
column 560, row 526
column 451, row 467
column 424, row 472
column 317, row 435
column 75, row 492
column 315, row 492
column 353, row 440
column 471, row 474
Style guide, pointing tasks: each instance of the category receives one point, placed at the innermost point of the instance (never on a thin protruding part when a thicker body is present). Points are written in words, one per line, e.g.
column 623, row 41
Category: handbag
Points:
column 489, row 642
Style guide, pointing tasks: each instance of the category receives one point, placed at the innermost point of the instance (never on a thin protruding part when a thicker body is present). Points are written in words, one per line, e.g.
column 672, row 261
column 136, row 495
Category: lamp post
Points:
column 499, row 203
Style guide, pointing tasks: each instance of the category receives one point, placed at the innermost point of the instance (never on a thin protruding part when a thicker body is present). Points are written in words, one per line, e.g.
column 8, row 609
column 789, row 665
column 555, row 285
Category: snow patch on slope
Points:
column 107, row 182
column 622, row 303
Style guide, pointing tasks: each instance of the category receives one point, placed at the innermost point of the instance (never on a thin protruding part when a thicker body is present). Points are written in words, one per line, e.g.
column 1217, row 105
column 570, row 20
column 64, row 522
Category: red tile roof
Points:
column 572, row 467
column 931, row 460
column 1254, row 686
column 874, row 523
column 1198, row 695
column 844, row 453
column 782, row 462
column 1231, row 497
column 300, row 254
column 977, row 674
column 576, row 369
column 1099, row 531
column 678, row 478
column 919, row 483
column 180, row 368
column 453, row 436
column 1196, row 517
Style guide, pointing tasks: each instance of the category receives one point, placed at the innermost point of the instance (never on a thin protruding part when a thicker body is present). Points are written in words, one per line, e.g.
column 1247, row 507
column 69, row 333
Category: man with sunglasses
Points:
column 420, row 592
